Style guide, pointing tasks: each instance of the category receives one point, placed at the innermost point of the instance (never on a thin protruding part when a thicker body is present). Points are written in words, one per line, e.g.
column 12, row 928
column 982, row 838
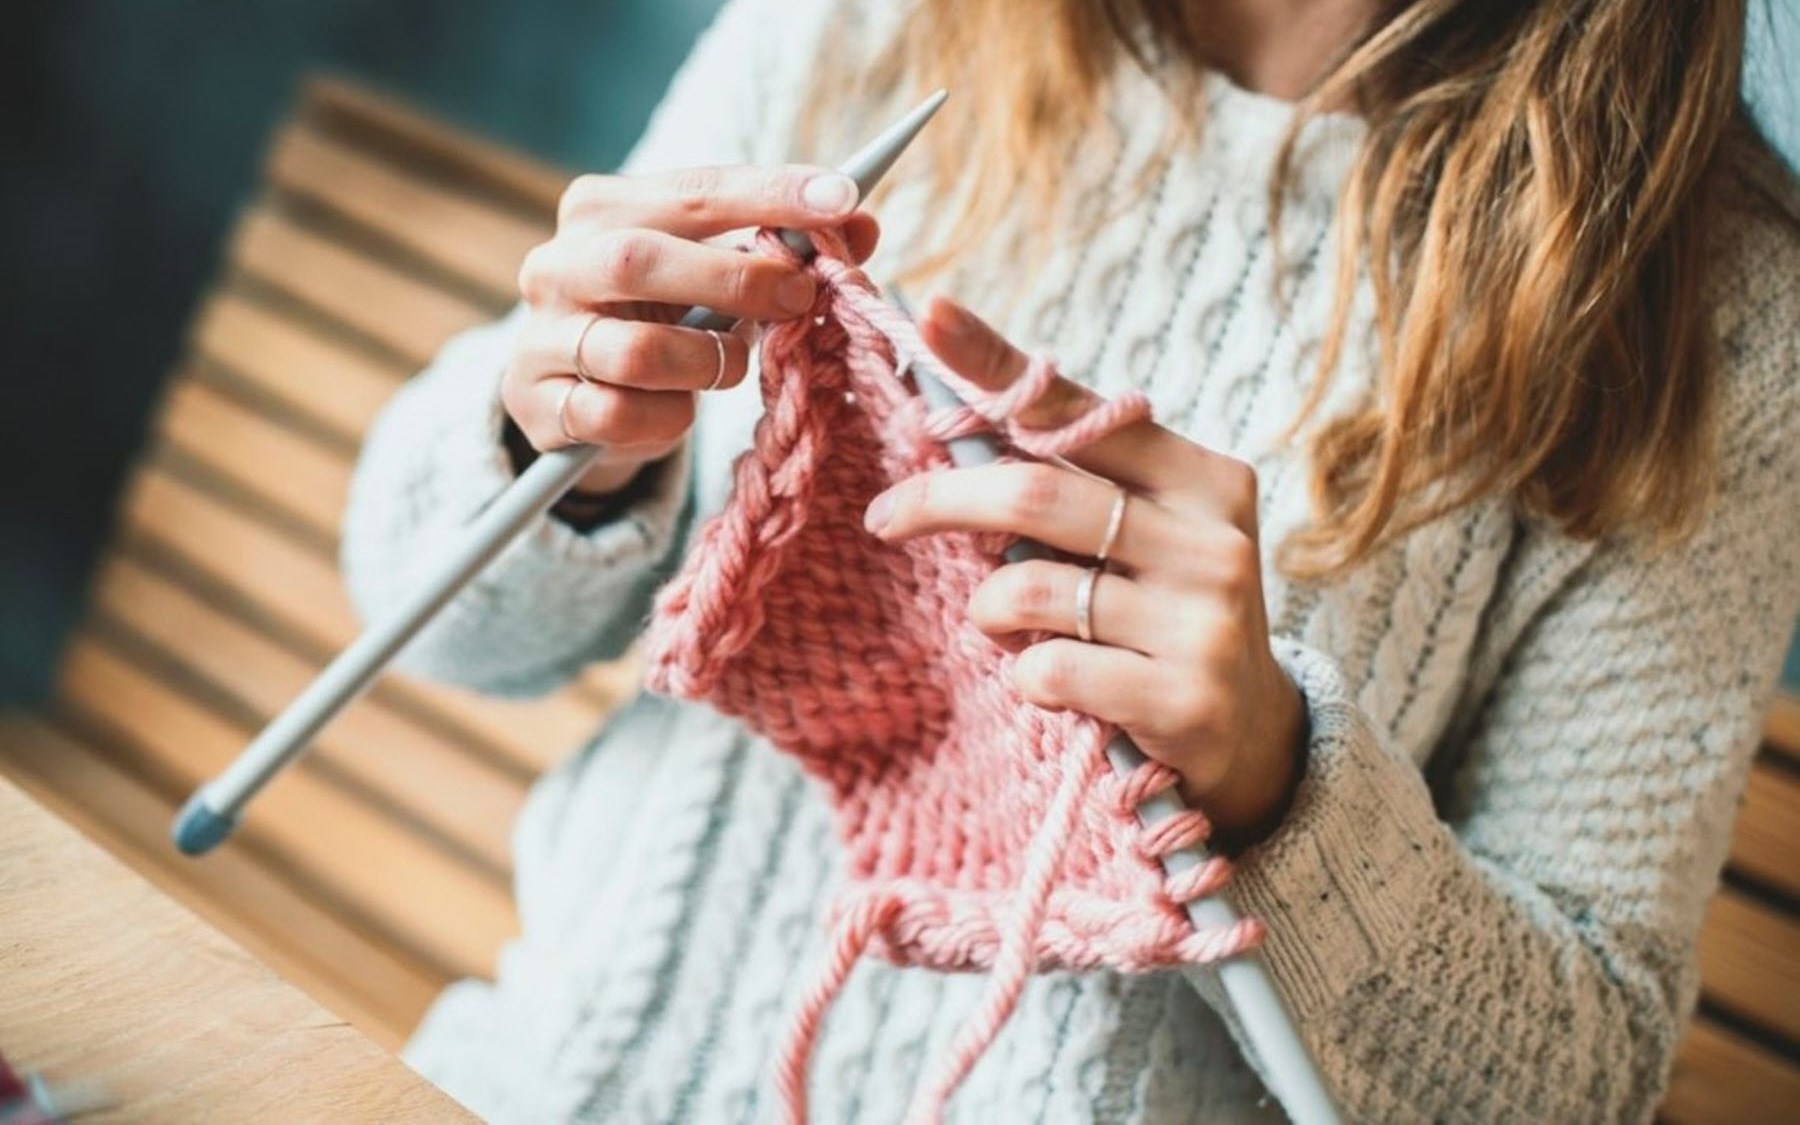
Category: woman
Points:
column 1454, row 587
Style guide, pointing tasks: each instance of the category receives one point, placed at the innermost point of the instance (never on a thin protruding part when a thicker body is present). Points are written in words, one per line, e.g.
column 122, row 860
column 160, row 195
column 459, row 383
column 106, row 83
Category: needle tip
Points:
column 199, row 829
column 869, row 165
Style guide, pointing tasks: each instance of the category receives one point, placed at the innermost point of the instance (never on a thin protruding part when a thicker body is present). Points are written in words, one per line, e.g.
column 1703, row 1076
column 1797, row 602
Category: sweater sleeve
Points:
column 1523, row 947
column 557, row 598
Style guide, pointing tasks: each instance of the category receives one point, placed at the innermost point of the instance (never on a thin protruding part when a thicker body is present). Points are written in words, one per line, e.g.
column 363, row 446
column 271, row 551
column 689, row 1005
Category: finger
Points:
column 637, row 264
column 1144, row 455
column 1044, row 596
column 634, row 353
column 1053, row 506
column 701, row 202
column 624, row 418
column 1114, row 685
column 861, row 233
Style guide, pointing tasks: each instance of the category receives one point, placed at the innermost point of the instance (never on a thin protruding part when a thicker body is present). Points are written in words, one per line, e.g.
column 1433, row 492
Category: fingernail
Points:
column 795, row 294
column 829, row 194
column 880, row 511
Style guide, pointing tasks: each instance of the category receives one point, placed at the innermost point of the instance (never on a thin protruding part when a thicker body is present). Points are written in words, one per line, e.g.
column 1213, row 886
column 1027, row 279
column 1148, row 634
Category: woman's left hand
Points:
column 1180, row 656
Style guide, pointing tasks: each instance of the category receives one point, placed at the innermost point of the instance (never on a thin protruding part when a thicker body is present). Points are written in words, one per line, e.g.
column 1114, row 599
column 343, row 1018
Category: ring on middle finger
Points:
column 562, row 411
column 581, row 369
column 1084, row 603
column 718, row 339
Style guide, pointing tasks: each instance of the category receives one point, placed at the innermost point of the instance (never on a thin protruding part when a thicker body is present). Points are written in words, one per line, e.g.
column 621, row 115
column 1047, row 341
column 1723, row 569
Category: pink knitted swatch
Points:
column 982, row 832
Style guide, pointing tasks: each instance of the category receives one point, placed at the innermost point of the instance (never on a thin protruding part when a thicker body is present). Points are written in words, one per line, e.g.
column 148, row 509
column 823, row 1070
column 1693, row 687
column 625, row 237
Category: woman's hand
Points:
column 627, row 261
column 1180, row 656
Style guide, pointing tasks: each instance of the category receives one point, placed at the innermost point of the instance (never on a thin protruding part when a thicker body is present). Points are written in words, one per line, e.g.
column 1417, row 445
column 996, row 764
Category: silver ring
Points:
column 562, row 410
column 1084, row 604
column 718, row 339
column 581, row 371
column 1113, row 522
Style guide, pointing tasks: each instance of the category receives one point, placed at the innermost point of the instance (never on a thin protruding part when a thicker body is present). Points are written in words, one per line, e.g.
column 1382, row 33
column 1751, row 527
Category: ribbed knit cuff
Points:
column 1341, row 881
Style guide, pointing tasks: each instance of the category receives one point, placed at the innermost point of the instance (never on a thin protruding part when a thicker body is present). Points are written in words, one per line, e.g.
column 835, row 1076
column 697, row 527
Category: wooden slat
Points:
column 1766, row 846
column 302, row 591
column 1750, row 962
column 291, row 581
column 458, row 796
column 108, row 980
column 338, row 386
column 471, row 240
column 418, row 896
column 364, row 980
column 1782, row 730
column 337, row 104
column 1721, row 1077
column 297, row 475
column 385, row 304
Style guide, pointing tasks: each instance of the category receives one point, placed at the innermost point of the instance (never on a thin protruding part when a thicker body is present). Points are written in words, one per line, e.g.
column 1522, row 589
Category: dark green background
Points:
column 133, row 130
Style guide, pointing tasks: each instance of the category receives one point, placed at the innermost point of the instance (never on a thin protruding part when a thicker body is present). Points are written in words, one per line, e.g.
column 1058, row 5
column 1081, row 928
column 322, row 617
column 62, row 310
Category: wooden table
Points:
column 103, row 979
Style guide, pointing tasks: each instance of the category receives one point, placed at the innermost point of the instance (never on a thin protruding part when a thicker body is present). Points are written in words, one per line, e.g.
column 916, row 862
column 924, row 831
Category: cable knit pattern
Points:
column 1525, row 753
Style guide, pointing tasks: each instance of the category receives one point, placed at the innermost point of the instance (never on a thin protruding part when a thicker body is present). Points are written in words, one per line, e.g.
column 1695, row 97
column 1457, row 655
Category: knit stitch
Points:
column 979, row 832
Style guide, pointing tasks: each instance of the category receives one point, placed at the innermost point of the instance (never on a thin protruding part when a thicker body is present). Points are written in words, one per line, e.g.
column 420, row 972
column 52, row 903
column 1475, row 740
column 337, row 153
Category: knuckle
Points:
column 1049, row 672
column 514, row 394
column 1239, row 563
column 1240, row 492
column 1037, row 491
column 1034, row 590
column 694, row 189
column 584, row 194
column 535, row 273
column 624, row 257
column 779, row 188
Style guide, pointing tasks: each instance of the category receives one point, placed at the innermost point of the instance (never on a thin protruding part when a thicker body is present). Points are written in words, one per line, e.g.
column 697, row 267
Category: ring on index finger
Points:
column 718, row 339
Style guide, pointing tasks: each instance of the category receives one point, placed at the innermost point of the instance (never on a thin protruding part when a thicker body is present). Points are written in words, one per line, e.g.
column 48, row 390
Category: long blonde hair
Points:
column 1530, row 203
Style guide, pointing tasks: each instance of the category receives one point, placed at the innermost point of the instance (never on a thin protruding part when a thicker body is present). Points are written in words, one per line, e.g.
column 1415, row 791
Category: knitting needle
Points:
column 1267, row 1023
column 213, row 811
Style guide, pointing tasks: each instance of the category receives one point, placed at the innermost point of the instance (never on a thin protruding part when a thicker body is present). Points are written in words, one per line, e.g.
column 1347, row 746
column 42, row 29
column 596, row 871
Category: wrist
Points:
column 1252, row 799
column 601, row 493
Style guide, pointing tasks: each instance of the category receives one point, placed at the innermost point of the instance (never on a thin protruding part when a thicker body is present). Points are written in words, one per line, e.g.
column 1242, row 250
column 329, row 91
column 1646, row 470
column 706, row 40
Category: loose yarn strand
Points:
column 1081, row 767
column 983, row 833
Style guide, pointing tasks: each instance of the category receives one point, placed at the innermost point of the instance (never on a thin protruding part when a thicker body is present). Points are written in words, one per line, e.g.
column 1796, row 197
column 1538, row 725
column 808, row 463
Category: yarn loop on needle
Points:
column 981, row 832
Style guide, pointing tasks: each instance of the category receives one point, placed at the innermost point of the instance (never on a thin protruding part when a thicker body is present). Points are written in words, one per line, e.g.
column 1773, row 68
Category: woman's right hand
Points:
column 628, row 255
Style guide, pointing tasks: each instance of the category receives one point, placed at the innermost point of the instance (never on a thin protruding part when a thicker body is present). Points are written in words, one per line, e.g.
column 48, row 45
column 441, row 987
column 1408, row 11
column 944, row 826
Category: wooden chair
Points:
column 378, row 870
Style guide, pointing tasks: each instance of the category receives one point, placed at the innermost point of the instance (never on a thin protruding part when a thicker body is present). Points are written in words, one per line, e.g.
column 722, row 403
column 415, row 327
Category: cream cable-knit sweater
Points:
column 1526, row 751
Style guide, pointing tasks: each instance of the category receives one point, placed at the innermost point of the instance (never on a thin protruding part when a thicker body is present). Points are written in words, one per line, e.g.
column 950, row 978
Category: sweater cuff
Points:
column 556, row 597
column 1341, row 881
column 551, row 552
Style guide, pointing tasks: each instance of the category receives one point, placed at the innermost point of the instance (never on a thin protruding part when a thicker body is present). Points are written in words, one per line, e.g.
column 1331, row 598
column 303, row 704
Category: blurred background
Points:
column 134, row 133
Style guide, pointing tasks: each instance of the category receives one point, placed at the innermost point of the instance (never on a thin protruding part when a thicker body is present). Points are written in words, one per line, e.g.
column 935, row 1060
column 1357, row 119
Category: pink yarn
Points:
column 982, row 832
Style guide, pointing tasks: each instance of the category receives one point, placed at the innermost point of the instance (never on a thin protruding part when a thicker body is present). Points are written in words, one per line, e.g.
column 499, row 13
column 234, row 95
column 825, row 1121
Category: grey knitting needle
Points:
column 1268, row 1024
column 213, row 811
